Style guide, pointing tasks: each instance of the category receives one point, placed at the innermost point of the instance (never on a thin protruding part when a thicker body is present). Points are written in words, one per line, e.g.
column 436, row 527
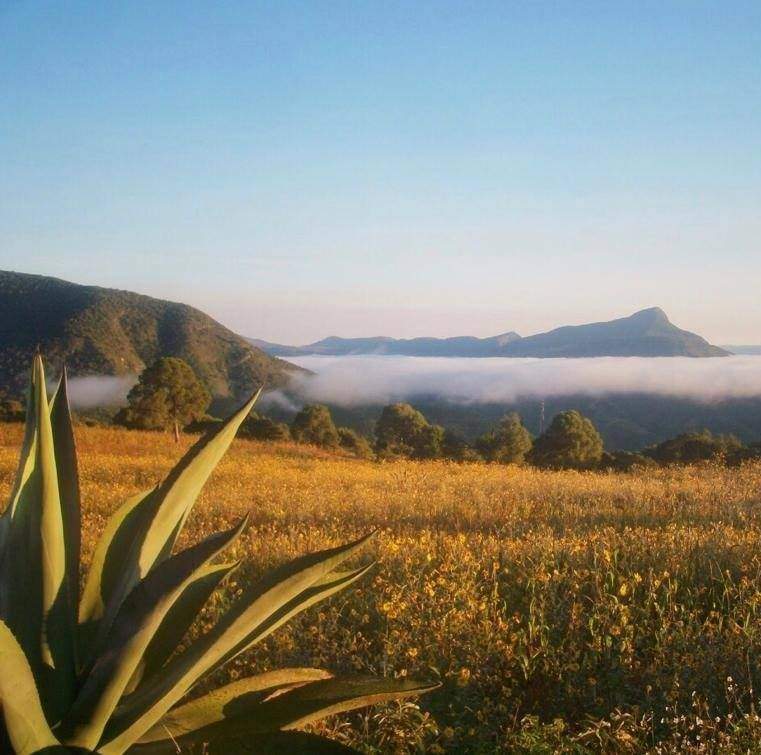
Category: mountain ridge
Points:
column 106, row 331
column 647, row 333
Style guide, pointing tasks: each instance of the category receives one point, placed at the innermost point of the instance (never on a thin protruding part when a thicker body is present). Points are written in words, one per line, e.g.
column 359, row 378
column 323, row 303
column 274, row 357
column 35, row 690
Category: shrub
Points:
column 101, row 671
column 313, row 424
column 263, row 428
column 354, row 443
column 570, row 442
column 11, row 410
column 625, row 461
column 508, row 443
column 456, row 448
column 402, row 430
column 689, row 448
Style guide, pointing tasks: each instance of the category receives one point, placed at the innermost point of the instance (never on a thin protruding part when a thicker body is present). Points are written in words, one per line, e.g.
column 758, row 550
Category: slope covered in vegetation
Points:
column 102, row 331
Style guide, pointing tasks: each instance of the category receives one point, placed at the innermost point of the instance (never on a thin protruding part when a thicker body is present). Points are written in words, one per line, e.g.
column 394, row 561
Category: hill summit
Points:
column 647, row 333
column 103, row 331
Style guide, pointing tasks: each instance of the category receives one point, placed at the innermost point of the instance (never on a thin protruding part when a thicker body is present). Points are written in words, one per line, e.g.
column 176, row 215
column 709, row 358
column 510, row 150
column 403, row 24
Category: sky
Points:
column 305, row 169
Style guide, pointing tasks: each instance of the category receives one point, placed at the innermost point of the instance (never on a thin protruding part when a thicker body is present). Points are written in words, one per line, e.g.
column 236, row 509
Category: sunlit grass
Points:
column 611, row 612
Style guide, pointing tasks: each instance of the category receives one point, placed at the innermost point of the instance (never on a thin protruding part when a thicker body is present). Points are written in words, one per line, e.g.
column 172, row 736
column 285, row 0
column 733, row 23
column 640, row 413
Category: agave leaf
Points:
column 206, row 720
column 144, row 531
column 213, row 707
column 273, row 743
column 122, row 528
column 266, row 605
column 179, row 619
column 68, row 487
column 27, row 727
column 139, row 617
column 311, row 702
column 128, row 724
column 36, row 602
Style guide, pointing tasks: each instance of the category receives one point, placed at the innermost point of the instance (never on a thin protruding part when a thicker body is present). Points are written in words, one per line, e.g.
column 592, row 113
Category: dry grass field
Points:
column 562, row 612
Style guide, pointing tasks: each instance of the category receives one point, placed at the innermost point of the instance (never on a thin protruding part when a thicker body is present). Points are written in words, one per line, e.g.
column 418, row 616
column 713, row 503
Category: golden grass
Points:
column 560, row 610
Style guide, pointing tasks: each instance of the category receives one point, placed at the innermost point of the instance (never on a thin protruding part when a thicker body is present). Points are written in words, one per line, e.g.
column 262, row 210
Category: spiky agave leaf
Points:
column 143, row 531
column 179, row 619
column 36, row 604
column 139, row 618
column 28, row 730
column 228, row 714
column 262, row 609
column 65, row 450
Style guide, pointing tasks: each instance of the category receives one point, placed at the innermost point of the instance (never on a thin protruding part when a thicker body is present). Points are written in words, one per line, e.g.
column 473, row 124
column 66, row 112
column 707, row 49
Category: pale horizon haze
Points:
column 299, row 170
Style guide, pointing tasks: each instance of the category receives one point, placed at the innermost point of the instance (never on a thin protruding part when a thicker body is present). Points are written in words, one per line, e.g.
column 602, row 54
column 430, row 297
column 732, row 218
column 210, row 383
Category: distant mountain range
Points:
column 103, row 331
column 647, row 333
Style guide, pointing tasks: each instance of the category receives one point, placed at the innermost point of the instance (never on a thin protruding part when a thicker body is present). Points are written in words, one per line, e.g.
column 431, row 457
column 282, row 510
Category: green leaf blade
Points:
column 25, row 721
column 139, row 617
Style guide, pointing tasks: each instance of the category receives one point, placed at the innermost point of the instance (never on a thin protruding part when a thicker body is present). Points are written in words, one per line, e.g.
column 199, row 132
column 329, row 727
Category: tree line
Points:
column 169, row 396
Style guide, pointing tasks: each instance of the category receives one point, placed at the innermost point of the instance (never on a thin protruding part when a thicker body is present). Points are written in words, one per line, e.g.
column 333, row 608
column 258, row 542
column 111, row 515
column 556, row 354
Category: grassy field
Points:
column 562, row 612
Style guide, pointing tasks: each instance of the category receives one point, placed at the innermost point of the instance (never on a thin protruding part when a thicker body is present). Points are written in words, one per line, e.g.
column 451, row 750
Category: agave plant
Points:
column 101, row 671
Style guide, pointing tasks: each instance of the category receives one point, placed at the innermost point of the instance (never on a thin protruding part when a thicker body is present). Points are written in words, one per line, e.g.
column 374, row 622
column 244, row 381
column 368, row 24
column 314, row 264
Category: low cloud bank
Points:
column 100, row 390
column 355, row 380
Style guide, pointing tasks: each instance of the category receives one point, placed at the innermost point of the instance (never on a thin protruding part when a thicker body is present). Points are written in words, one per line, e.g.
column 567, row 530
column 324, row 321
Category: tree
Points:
column 354, row 443
column 402, row 430
column 507, row 443
column 167, row 396
column 257, row 427
column 313, row 424
column 689, row 448
column 570, row 442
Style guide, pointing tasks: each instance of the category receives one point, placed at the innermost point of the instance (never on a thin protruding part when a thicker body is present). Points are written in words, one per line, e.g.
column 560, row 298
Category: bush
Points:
column 570, row 442
column 203, row 424
column 456, row 448
column 11, row 410
column 354, row 443
column 689, row 448
column 751, row 452
column 508, row 443
column 313, row 424
column 257, row 427
column 625, row 461
column 402, row 430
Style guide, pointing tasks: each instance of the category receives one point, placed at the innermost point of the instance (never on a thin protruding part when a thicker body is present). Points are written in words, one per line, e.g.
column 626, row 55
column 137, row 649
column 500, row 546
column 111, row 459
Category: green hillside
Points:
column 101, row 331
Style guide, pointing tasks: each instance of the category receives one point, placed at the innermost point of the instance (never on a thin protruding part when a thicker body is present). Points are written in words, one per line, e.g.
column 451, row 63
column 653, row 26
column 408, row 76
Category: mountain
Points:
column 647, row 333
column 458, row 346
column 747, row 350
column 103, row 331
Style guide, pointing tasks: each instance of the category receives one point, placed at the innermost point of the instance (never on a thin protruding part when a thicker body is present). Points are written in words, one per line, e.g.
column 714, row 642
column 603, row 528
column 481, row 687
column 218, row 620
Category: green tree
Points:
column 402, row 430
column 508, row 443
column 313, row 424
column 689, row 448
column 258, row 427
column 167, row 396
column 570, row 442
column 354, row 443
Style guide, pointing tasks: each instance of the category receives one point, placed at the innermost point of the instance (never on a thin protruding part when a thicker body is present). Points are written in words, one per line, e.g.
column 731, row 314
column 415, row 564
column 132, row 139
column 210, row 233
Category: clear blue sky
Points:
column 404, row 168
